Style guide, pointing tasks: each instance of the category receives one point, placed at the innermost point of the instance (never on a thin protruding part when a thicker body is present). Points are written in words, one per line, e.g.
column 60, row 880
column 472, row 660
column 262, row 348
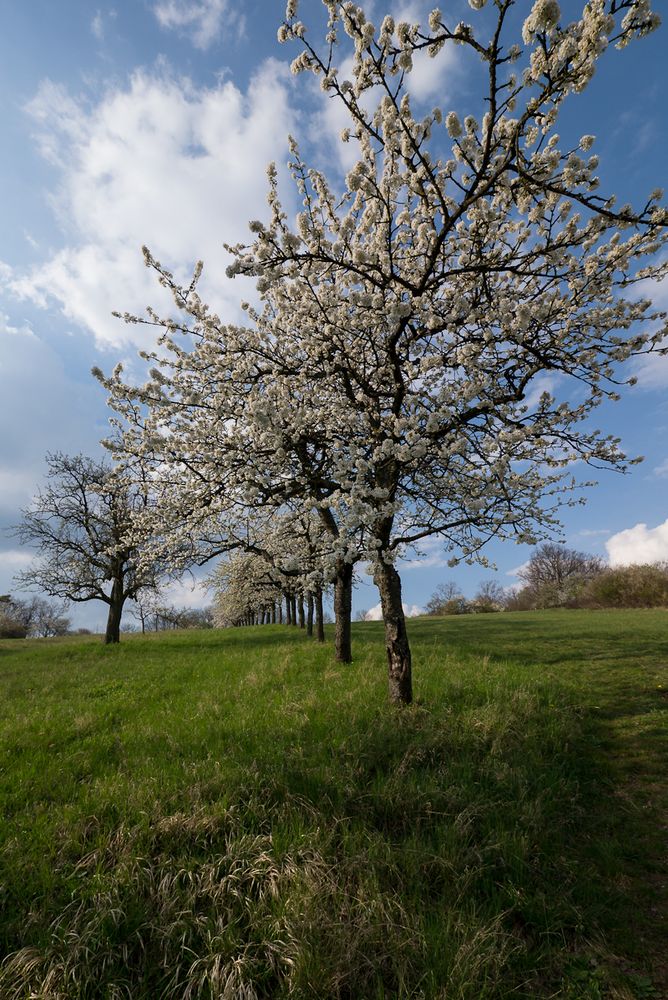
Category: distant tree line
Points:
column 558, row 577
column 35, row 617
column 153, row 615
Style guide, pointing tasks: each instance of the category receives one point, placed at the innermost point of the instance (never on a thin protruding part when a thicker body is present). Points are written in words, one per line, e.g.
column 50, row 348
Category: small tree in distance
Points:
column 555, row 575
column 81, row 525
column 490, row 596
column 447, row 599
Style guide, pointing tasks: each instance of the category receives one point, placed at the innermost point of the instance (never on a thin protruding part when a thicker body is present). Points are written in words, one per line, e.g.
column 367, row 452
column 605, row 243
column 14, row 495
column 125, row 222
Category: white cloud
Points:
column 661, row 471
column 517, row 570
column 202, row 20
column 430, row 552
column 98, row 24
column 187, row 593
column 12, row 561
column 652, row 369
column 639, row 544
column 159, row 162
column 430, row 78
column 16, row 487
column 410, row 610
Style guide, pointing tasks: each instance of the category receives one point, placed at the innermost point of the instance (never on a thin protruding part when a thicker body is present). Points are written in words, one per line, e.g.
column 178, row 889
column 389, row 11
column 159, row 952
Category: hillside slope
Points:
column 233, row 814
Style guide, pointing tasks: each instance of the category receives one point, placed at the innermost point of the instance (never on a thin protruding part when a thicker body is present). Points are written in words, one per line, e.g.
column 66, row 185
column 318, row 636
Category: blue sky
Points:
column 152, row 121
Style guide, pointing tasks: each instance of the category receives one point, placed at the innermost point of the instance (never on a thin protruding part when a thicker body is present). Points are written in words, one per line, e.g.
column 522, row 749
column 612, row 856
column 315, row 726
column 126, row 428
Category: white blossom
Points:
column 453, row 124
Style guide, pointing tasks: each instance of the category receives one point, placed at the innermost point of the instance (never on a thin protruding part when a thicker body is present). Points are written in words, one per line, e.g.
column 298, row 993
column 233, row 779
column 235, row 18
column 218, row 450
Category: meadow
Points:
column 231, row 814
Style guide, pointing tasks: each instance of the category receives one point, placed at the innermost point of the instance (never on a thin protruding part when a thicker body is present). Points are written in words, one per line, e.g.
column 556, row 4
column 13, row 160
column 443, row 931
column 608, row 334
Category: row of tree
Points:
column 388, row 384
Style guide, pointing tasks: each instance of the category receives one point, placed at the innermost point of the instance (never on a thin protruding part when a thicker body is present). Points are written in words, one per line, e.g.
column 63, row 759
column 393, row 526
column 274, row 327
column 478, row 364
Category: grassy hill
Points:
column 232, row 814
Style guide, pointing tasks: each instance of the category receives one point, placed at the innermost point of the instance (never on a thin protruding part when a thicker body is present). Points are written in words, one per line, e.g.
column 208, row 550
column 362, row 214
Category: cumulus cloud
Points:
column 203, row 21
column 157, row 162
column 376, row 614
column 639, row 544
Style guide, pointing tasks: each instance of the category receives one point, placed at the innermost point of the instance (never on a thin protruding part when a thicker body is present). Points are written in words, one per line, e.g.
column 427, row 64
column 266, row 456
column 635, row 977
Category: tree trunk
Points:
column 319, row 616
column 293, row 609
column 309, row 614
column 273, row 614
column 300, row 611
column 116, row 600
column 288, row 610
column 343, row 600
column 388, row 582
column 279, row 608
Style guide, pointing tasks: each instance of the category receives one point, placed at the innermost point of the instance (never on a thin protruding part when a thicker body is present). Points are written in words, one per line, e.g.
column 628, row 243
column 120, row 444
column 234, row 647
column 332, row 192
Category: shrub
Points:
column 639, row 586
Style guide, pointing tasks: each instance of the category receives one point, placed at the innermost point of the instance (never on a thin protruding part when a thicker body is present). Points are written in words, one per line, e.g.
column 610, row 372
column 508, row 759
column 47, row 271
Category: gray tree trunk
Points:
column 343, row 600
column 116, row 601
column 319, row 616
column 309, row 614
column 398, row 650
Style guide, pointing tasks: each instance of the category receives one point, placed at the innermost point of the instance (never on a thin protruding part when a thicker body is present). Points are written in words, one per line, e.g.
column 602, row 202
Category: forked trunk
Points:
column 319, row 616
column 116, row 600
column 343, row 601
column 388, row 582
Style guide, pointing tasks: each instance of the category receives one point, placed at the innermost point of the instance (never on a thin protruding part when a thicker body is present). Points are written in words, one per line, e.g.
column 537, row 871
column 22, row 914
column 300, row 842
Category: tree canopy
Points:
column 392, row 379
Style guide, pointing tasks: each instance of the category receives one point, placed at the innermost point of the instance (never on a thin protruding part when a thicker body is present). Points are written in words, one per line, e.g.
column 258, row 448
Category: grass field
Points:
column 232, row 814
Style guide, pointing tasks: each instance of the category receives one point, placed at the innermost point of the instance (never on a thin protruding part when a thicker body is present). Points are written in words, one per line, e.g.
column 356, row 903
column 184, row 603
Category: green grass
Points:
column 233, row 815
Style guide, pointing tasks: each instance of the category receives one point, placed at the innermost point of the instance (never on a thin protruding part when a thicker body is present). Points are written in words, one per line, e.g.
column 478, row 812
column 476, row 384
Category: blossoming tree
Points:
column 393, row 376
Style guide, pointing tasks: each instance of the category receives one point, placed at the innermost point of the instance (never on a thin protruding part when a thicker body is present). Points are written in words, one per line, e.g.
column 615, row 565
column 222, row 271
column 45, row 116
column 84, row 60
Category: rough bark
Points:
column 319, row 616
column 398, row 650
column 293, row 609
column 300, row 612
column 309, row 614
column 116, row 601
column 343, row 598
